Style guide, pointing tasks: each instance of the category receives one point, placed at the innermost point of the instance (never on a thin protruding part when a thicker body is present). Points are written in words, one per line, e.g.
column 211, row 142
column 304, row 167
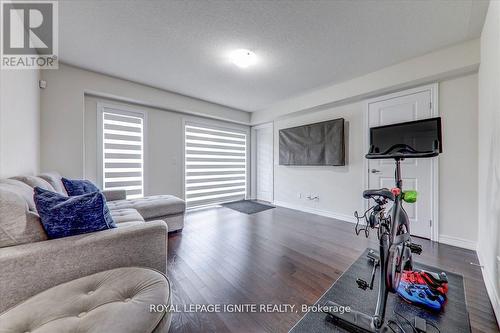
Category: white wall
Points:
column 63, row 104
column 489, row 154
column 458, row 189
column 19, row 122
column 340, row 188
column 164, row 146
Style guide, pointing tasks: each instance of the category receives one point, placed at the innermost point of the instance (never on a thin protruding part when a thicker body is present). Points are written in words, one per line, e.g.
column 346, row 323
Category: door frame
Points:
column 433, row 88
column 253, row 157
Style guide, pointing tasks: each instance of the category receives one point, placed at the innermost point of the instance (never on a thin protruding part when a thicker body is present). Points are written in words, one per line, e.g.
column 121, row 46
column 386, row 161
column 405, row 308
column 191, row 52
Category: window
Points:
column 215, row 165
column 123, row 151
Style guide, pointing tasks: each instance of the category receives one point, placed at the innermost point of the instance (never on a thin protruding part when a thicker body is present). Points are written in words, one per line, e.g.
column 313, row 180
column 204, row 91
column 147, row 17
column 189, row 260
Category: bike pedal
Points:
column 415, row 248
column 362, row 284
column 373, row 256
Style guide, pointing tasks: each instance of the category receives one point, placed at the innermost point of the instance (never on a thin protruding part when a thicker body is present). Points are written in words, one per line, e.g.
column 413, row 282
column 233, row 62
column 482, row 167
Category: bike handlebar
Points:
column 401, row 151
column 376, row 156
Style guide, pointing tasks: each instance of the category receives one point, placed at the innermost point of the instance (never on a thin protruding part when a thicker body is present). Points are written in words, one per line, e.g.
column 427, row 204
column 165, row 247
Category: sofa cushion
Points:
column 153, row 206
column 34, row 181
column 64, row 216
column 128, row 224
column 18, row 225
column 54, row 179
column 22, row 189
column 78, row 186
column 116, row 300
column 126, row 215
column 113, row 195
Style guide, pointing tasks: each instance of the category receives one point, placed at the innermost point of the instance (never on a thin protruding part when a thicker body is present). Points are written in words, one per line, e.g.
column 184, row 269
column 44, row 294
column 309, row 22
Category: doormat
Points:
column 453, row 319
column 247, row 206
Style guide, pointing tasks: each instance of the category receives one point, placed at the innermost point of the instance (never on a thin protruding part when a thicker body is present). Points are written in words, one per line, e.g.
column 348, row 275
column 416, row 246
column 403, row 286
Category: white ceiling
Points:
column 182, row 46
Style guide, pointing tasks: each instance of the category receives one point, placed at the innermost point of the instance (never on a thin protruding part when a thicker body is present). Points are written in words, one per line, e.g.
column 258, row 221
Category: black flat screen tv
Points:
column 420, row 135
column 319, row 144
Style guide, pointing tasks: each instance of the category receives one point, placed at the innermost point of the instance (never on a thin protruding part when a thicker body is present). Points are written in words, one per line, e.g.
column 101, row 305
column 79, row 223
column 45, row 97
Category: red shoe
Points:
column 436, row 282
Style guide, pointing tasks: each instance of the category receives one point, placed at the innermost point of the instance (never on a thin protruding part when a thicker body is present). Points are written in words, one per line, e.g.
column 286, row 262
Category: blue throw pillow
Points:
column 64, row 216
column 78, row 186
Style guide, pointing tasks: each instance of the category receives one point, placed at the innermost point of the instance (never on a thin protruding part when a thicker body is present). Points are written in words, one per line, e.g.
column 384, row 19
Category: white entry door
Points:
column 417, row 174
column 264, row 162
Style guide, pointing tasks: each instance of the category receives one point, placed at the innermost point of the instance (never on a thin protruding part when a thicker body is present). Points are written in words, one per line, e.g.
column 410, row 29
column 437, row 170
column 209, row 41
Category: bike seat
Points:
column 383, row 192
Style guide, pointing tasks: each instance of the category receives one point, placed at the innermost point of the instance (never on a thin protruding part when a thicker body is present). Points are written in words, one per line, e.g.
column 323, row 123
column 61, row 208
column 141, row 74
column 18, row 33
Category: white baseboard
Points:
column 458, row 242
column 490, row 286
column 326, row 213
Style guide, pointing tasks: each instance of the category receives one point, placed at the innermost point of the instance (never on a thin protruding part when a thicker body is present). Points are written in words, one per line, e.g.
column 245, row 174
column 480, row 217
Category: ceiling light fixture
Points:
column 243, row 58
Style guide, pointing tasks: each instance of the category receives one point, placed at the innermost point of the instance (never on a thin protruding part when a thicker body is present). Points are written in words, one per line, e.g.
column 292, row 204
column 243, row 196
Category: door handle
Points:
column 375, row 171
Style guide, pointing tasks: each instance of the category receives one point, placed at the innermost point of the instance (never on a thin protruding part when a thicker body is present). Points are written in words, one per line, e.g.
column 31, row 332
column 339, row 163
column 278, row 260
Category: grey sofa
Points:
column 31, row 264
column 159, row 207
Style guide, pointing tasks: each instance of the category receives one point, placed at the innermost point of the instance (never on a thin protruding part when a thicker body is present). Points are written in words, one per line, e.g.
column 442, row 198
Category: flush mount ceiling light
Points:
column 243, row 58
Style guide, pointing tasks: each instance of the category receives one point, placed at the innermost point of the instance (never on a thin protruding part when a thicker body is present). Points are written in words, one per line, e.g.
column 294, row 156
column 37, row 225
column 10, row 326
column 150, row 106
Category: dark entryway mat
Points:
column 247, row 206
column 453, row 319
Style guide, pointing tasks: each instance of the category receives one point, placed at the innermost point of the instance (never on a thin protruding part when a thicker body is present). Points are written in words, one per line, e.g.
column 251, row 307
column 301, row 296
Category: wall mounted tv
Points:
column 313, row 144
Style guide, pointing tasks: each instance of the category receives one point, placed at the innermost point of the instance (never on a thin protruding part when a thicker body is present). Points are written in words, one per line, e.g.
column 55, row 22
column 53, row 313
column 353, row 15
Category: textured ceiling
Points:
column 182, row 46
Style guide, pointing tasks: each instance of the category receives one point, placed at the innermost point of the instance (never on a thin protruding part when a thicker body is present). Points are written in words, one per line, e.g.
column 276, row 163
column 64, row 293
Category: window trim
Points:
column 220, row 125
column 126, row 111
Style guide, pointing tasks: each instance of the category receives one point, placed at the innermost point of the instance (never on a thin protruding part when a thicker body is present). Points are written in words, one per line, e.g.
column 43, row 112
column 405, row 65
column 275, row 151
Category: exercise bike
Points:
column 395, row 245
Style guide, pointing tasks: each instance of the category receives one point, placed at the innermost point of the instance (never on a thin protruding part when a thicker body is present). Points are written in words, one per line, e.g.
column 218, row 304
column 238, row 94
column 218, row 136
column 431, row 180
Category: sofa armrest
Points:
column 28, row 269
column 113, row 195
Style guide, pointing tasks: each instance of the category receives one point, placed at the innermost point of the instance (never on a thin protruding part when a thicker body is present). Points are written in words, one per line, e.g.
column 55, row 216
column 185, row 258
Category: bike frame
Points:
column 392, row 247
column 400, row 235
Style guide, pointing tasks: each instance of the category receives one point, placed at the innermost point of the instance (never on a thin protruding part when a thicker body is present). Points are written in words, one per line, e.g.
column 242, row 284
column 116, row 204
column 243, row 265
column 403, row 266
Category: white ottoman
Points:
column 111, row 301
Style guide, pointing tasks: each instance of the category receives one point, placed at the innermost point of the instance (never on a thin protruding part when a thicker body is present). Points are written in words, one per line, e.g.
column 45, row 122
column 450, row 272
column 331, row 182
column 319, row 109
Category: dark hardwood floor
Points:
column 282, row 256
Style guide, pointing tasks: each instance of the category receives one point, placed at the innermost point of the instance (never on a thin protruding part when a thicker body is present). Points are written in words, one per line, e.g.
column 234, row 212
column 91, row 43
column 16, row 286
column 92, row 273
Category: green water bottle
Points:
column 410, row 196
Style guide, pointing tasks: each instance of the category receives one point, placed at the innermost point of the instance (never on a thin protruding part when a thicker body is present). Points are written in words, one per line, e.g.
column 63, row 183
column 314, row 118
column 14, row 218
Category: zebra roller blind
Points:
column 215, row 165
column 123, row 152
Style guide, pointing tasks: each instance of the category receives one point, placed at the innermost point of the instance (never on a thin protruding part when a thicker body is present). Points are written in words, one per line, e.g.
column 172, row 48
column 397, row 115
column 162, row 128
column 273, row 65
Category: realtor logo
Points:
column 29, row 36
